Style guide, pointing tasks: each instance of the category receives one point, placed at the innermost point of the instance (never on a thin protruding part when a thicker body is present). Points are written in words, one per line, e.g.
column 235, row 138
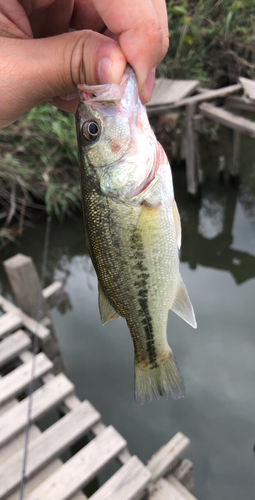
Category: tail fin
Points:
column 160, row 380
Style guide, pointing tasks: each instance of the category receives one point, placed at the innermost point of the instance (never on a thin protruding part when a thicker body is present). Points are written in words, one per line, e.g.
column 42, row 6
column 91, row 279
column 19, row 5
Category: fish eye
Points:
column 90, row 130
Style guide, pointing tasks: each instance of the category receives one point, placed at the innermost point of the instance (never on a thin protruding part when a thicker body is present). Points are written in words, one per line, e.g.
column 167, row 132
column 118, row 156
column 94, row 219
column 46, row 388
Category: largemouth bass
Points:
column 133, row 228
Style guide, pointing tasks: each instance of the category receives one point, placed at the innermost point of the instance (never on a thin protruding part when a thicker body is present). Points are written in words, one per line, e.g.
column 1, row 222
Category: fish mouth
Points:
column 106, row 94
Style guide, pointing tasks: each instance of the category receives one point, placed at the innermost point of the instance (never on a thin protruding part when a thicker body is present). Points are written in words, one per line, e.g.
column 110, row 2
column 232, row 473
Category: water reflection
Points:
column 214, row 252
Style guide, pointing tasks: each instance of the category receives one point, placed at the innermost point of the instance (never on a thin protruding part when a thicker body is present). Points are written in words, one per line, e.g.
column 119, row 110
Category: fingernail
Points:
column 149, row 85
column 104, row 70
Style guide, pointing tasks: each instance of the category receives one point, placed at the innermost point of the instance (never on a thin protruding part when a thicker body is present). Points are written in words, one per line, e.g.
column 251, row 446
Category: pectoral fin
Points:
column 177, row 224
column 182, row 305
column 107, row 312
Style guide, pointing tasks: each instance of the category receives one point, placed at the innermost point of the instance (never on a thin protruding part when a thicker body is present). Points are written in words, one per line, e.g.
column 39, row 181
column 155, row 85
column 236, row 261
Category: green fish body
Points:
column 132, row 228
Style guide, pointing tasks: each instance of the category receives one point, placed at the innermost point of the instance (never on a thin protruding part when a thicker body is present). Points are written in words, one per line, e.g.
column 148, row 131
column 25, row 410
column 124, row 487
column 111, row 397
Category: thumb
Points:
column 35, row 70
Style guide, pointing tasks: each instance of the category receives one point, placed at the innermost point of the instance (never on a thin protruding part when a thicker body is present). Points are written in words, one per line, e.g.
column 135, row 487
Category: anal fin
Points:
column 182, row 304
column 107, row 311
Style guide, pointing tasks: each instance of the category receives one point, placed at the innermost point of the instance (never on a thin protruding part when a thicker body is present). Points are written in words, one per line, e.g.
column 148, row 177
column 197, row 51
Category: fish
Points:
column 133, row 229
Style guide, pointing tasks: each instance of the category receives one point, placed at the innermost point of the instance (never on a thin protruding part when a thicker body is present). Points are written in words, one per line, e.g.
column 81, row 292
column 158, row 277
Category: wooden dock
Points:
column 165, row 476
column 200, row 111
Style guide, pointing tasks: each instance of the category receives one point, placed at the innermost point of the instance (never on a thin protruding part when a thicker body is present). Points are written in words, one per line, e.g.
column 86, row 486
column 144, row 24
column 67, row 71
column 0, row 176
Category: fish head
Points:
column 116, row 140
column 103, row 122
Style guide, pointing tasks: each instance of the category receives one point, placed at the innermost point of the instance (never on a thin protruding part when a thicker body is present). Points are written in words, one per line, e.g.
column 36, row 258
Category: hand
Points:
column 40, row 60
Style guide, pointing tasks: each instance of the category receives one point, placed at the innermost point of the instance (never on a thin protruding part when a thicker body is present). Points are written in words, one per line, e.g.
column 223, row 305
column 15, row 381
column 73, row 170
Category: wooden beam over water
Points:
column 234, row 122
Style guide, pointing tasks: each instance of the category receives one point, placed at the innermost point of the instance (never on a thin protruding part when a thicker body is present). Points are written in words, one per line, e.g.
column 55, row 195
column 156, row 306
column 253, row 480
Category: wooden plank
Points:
column 44, row 399
column 9, row 322
column 31, row 324
column 127, row 484
column 180, row 488
column 164, row 460
column 54, row 294
column 248, row 87
column 220, row 115
column 17, row 380
column 185, row 474
column 170, row 91
column 81, row 468
column 13, row 345
column 35, row 481
column 240, row 102
column 164, row 490
column 205, row 96
column 47, row 446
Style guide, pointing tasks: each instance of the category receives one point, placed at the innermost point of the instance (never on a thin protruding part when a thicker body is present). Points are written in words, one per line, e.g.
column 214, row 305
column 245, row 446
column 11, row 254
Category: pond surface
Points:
column 217, row 360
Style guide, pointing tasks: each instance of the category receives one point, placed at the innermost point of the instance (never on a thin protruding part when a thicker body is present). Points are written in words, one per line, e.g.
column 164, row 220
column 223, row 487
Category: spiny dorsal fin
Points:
column 177, row 224
column 182, row 304
column 107, row 312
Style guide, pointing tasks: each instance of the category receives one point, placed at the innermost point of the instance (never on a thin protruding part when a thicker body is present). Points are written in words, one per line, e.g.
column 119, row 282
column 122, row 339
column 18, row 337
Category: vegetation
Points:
column 38, row 168
column 213, row 41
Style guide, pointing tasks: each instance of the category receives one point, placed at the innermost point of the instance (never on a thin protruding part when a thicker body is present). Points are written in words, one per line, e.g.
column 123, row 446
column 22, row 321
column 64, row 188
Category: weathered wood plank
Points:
column 170, row 91
column 9, row 322
column 25, row 283
column 17, row 380
column 185, row 474
column 54, row 294
column 126, row 484
column 180, row 488
column 13, row 345
column 44, row 399
column 81, row 468
column 164, row 460
column 47, row 446
column 248, row 87
column 205, row 96
column 38, row 479
column 240, row 102
column 165, row 490
column 220, row 115
column 31, row 324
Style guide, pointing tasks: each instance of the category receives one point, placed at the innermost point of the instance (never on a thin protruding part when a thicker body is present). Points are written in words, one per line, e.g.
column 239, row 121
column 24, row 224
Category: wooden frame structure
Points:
column 166, row 476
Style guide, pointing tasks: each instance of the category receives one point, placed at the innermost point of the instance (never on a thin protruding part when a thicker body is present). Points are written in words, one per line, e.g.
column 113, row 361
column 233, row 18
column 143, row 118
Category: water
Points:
column 217, row 360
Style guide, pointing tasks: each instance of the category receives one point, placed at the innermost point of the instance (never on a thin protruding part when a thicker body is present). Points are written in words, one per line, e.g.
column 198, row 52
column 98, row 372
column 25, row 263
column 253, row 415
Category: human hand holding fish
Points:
column 133, row 229
column 41, row 61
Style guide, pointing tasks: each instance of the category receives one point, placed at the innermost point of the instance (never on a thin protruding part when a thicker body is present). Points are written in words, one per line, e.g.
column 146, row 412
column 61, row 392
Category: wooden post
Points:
column 25, row 283
column 234, row 149
column 191, row 155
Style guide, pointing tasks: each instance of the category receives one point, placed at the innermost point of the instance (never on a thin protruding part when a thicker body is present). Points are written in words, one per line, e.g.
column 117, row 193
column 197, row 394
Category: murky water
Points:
column 217, row 360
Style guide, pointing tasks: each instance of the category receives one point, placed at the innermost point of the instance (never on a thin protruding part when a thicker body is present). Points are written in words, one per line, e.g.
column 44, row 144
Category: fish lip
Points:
column 106, row 94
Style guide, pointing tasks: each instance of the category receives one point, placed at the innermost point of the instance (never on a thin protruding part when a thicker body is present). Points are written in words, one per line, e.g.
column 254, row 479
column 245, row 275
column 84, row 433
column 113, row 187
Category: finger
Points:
column 70, row 106
column 85, row 16
column 138, row 24
column 161, row 12
column 34, row 70
column 48, row 17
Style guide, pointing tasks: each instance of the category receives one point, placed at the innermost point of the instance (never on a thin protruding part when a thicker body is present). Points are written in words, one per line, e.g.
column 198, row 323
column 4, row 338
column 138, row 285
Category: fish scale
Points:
column 132, row 229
